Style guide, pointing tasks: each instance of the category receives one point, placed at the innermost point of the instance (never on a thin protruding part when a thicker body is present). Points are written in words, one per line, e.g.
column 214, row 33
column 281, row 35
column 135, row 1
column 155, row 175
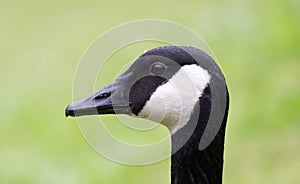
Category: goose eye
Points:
column 158, row 68
column 101, row 96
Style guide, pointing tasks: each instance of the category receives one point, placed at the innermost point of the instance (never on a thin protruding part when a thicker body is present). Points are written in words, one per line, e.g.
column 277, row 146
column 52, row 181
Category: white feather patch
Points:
column 172, row 103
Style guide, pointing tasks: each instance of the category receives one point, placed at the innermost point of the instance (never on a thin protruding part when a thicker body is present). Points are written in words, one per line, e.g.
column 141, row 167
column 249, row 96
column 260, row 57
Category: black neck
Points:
column 189, row 165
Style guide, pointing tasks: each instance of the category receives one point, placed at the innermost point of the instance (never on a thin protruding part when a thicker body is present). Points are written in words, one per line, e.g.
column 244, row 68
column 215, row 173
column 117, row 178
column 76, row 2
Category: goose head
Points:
column 171, row 85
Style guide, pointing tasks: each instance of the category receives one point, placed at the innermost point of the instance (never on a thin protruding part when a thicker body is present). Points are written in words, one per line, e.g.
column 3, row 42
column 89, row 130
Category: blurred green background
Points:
column 257, row 46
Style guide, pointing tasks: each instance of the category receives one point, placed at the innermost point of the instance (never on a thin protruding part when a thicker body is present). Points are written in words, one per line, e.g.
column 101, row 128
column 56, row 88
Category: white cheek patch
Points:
column 172, row 103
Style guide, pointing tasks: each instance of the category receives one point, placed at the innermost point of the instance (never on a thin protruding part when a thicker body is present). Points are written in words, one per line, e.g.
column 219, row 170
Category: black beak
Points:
column 106, row 101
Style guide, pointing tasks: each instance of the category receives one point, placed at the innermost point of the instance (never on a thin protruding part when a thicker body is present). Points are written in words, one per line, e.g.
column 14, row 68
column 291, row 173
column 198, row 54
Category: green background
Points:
column 257, row 46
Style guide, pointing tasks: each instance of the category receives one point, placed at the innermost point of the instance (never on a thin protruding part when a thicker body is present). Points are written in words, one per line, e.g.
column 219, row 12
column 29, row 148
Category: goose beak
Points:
column 102, row 102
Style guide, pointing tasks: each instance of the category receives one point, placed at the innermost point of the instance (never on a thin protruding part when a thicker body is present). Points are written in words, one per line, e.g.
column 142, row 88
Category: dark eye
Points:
column 158, row 68
column 101, row 96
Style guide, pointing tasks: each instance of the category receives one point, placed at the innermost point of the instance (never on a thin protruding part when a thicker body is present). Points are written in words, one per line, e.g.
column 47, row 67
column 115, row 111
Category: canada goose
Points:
column 175, row 86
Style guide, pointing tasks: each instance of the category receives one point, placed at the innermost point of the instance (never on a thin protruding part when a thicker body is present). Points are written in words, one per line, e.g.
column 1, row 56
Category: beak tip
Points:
column 68, row 112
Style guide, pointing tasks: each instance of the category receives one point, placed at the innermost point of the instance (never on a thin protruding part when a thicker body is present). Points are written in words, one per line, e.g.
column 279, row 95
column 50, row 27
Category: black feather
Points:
column 189, row 165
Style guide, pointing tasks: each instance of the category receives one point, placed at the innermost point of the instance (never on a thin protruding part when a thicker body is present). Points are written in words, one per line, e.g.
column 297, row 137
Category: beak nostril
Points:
column 101, row 96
